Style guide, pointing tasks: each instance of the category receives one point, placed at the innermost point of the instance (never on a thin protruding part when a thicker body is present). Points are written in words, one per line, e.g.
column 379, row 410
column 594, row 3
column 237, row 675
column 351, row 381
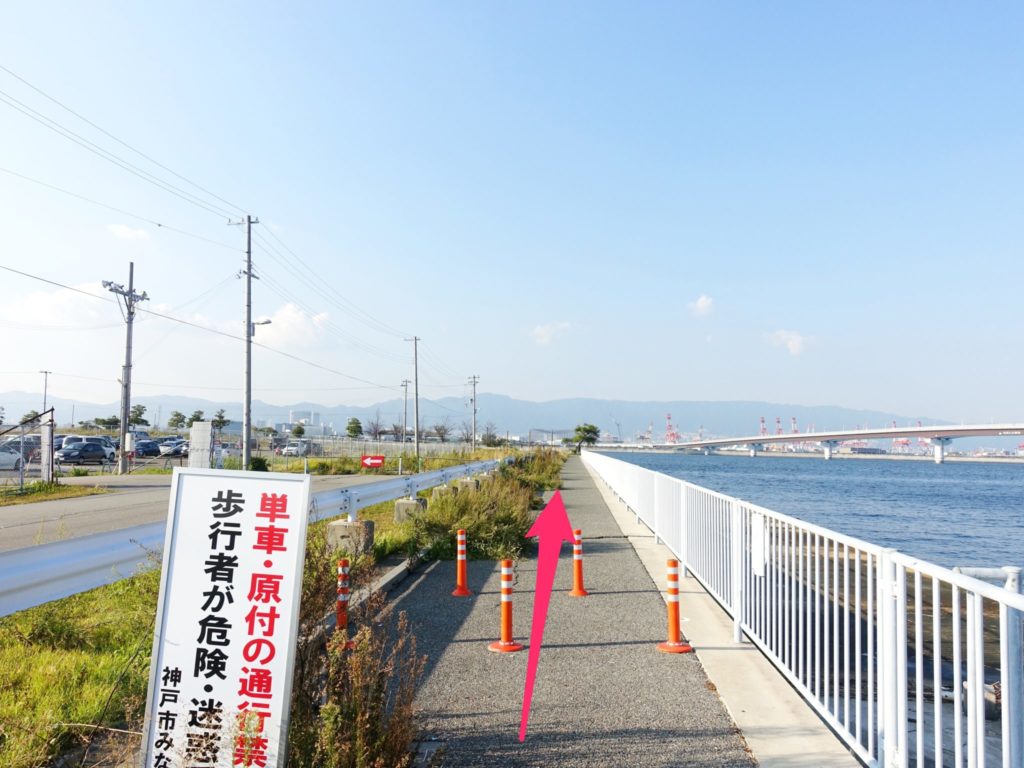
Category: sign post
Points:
column 227, row 620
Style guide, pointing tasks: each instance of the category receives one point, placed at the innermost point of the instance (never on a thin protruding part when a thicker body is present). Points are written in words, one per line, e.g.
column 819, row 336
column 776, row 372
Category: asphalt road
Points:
column 604, row 696
column 132, row 500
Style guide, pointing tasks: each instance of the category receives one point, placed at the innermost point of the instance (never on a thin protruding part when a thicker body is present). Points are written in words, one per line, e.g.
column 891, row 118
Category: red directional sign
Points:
column 372, row 462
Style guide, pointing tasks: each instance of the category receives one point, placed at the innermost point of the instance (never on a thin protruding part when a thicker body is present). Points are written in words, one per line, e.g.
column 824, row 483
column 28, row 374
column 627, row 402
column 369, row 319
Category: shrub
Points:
column 258, row 464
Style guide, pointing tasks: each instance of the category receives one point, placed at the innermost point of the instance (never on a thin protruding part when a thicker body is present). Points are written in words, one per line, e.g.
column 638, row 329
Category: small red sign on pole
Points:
column 373, row 462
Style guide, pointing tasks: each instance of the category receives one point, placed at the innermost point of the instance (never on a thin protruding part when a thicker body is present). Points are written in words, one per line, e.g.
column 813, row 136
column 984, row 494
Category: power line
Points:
column 275, row 287
column 52, row 282
column 110, row 157
column 316, row 283
column 140, row 153
column 374, row 384
column 117, row 210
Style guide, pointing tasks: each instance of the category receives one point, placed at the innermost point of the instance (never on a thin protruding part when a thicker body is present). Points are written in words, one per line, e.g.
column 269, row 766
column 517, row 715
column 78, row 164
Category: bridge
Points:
column 939, row 436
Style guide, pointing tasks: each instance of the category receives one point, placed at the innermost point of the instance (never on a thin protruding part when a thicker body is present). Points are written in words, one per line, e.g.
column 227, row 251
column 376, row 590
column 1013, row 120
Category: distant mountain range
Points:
column 623, row 418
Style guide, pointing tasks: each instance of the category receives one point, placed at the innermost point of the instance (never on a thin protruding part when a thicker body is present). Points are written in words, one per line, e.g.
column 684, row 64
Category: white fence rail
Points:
column 909, row 663
column 36, row 575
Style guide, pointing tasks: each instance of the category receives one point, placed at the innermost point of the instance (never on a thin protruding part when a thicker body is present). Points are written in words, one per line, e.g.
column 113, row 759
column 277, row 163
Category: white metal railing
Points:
column 909, row 663
column 36, row 575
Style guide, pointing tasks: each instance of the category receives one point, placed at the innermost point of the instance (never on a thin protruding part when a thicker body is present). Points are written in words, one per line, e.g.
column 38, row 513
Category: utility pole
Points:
column 405, row 412
column 474, row 379
column 130, row 299
column 247, row 405
column 46, row 379
column 416, row 397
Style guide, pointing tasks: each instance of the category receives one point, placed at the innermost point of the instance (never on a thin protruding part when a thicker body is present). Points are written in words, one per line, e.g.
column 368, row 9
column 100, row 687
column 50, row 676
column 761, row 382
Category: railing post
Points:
column 656, row 503
column 736, row 570
column 684, row 544
column 1013, row 691
column 886, row 650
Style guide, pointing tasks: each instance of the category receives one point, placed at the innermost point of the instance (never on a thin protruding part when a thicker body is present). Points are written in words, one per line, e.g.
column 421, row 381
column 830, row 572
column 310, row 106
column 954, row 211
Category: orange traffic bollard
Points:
column 506, row 644
column 577, row 566
column 341, row 615
column 461, row 590
column 674, row 644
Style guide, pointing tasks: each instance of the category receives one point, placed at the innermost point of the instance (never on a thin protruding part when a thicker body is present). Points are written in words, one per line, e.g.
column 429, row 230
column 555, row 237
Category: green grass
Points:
column 84, row 659
column 40, row 491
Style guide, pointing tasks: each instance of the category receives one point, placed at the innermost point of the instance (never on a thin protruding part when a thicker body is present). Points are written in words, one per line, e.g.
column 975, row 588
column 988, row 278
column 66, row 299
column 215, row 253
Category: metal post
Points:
column 737, row 571
column 24, row 458
column 405, row 412
column 1013, row 689
column 46, row 380
column 247, row 406
column 887, row 687
column 473, row 380
column 130, row 300
column 416, row 397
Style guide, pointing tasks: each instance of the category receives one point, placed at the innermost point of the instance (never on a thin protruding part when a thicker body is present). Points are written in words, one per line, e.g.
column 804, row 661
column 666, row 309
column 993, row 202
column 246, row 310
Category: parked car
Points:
column 9, row 458
column 296, row 448
column 147, row 448
column 171, row 447
column 84, row 453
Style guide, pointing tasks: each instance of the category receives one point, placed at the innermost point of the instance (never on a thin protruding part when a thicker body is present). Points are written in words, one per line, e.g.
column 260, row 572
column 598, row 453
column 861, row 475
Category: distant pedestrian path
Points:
column 604, row 696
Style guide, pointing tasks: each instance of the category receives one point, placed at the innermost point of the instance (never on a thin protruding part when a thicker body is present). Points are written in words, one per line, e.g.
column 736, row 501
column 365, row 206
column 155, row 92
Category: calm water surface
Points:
column 951, row 514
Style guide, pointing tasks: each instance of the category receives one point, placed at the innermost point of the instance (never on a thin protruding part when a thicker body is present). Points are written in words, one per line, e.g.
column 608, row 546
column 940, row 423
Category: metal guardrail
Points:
column 908, row 662
column 36, row 575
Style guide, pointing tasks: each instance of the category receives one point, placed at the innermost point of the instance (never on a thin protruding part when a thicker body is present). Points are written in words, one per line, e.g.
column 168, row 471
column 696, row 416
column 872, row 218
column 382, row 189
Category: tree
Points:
column 489, row 437
column 354, row 428
column 196, row 416
column 1, row 414
column 396, row 430
column 176, row 420
column 219, row 420
column 375, row 427
column 466, row 432
column 111, row 422
column 31, row 416
column 585, row 433
column 135, row 417
column 298, row 430
column 442, row 429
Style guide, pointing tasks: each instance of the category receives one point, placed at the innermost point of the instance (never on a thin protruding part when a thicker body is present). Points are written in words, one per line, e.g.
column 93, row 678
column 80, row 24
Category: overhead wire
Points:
column 110, row 157
column 316, row 282
column 123, row 143
column 121, row 211
column 283, row 292
column 214, row 331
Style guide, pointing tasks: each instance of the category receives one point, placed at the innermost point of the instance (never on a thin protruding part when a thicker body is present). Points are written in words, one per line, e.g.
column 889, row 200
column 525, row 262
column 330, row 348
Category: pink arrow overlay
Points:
column 551, row 528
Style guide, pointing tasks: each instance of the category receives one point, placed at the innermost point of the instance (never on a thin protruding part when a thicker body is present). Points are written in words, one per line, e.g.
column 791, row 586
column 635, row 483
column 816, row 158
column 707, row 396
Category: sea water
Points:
column 957, row 513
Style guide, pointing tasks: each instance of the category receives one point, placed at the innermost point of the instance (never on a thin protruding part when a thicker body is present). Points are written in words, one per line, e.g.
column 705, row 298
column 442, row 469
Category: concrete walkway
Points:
column 781, row 729
column 604, row 696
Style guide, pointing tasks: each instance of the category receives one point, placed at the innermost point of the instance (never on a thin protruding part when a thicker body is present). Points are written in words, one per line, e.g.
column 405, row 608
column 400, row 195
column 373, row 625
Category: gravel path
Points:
column 604, row 696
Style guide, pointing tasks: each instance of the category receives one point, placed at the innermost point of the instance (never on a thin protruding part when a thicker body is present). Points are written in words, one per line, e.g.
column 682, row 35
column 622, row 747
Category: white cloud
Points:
column 795, row 342
column 291, row 327
column 545, row 334
column 124, row 232
column 702, row 306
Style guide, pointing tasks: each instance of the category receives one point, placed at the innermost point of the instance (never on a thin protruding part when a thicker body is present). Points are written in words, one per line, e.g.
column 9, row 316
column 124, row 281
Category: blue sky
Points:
column 807, row 203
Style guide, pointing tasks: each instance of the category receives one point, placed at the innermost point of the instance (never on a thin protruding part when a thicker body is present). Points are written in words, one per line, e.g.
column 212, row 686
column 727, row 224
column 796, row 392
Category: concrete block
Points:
column 406, row 508
column 355, row 537
column 442, row 490
column 468, row 484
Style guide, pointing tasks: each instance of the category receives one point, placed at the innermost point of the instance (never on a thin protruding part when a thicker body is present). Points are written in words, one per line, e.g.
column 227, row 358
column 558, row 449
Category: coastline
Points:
column 949, row 459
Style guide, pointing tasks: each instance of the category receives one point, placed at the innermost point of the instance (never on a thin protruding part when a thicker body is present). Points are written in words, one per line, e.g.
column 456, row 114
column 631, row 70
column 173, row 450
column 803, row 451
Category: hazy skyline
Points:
column 799, row 204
